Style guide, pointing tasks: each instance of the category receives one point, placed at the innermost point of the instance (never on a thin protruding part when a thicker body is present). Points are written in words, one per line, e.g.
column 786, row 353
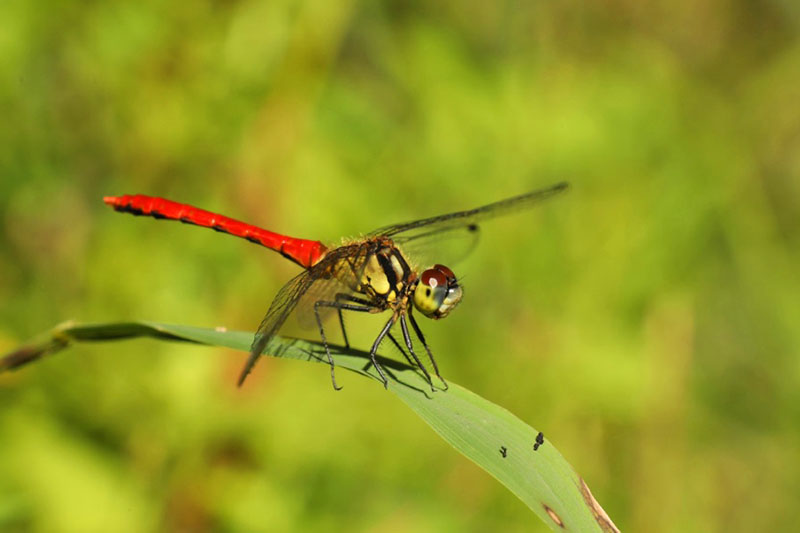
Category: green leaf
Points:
column 489, row 435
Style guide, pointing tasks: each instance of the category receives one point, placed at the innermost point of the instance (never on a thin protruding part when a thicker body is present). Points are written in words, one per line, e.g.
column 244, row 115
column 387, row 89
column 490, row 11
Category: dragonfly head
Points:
column 437, row 292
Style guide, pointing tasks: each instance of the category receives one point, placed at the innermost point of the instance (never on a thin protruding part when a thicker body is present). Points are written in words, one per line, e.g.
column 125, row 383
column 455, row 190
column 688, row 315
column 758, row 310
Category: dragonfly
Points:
column 371, row 274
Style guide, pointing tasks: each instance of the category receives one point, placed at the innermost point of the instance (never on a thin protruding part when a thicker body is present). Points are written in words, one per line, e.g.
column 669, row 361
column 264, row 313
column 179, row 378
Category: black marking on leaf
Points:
column 539, row 441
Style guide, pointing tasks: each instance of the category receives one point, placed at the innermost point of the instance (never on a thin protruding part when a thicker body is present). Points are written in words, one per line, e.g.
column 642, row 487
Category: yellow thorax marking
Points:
column 374, row 276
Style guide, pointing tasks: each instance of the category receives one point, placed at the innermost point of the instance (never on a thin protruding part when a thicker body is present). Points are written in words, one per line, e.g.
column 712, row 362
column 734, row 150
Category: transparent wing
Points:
column 449, row 247
column 339, row 271
column 322, row 290
column 280, row 308
column 456, row 233
column 340, row 274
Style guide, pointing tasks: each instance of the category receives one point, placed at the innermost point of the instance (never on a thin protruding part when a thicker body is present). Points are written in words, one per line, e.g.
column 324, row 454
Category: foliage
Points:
column 647, row 319
column 492, row 437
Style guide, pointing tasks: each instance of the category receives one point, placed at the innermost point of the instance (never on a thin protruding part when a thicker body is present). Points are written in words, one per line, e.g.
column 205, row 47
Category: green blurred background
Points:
column 646, row 321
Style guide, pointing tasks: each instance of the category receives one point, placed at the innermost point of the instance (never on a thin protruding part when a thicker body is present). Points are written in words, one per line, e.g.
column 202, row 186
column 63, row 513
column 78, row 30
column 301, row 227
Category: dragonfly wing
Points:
column 339, row 273
column 427, row 226
column 446, row 245
column 280, row 308
column 459, row 230
column 324, row 290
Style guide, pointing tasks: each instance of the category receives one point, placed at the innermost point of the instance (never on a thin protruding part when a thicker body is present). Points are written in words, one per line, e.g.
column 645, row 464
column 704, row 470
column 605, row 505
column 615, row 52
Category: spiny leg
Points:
column 400, row 349
column 341, row 296
column 375, row 345
column 341, row 323
column 410, row 346
column 339, row 306
column 427, row 348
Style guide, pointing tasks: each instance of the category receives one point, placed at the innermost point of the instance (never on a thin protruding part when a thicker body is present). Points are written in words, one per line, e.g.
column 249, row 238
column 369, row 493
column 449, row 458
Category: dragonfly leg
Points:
column 344, row 331
column 339, row 306
column 403, row 351
column 410, row 346
column 427, row 348
column 400, row 349
column 341, row 296
column 374, row 350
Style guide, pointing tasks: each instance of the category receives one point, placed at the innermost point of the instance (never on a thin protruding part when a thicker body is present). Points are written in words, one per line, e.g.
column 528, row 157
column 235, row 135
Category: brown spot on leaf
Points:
column 553, row 516
column 28, row 354
column 599, row 514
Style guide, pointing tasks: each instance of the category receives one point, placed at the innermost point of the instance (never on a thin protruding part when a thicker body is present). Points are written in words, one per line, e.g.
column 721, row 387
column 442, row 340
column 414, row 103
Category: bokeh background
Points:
column 647, row 321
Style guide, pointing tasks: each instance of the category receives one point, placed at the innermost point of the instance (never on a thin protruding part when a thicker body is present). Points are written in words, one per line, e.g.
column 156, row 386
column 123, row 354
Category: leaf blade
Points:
column 477, row 428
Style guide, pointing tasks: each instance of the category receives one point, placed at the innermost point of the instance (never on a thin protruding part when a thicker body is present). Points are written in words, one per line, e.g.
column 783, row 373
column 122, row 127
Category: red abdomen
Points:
column 304, row 252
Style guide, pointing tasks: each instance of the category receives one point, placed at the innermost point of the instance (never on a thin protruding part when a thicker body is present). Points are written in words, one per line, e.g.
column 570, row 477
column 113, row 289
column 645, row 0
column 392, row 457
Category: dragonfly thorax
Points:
column 386, row 275
column 437, row 292
column 388, row 281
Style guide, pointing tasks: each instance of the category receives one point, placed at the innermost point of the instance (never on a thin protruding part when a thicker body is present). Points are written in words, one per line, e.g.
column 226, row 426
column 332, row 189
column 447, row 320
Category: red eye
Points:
column 446, row 271
column 433, row 278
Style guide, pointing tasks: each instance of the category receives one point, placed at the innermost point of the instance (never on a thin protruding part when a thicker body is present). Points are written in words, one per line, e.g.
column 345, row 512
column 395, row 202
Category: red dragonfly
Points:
column 372, row 274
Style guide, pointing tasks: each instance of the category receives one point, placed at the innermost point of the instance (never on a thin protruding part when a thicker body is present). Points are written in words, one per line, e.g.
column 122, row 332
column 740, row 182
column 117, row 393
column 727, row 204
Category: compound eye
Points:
column 434, row 278
column 446, row 271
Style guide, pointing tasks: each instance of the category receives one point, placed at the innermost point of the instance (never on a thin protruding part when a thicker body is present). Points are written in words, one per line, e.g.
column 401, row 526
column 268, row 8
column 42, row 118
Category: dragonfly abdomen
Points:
column 304, row 252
